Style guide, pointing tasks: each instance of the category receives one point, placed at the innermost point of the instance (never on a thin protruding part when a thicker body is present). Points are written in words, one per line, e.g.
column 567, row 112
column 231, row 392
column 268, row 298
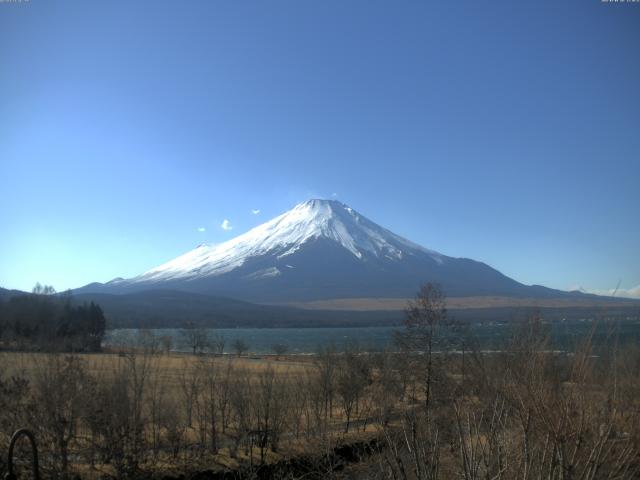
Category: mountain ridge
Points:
column 322, row 250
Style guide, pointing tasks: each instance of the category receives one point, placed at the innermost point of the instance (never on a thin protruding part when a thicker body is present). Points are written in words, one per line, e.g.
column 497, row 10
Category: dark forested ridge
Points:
column 170, row 309
column 44, row 320
column 175, row 309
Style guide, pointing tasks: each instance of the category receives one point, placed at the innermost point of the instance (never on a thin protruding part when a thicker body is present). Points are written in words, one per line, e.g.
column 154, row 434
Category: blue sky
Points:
column 507, row 132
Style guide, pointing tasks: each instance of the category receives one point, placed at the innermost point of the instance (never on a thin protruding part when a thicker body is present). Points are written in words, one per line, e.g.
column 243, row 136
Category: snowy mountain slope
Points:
column 320, row 249
column 284, row 236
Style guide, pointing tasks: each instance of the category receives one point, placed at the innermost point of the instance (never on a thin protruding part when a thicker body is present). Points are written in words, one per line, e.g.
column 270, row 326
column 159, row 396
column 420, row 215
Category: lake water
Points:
column 309, row 340
column 261, row 340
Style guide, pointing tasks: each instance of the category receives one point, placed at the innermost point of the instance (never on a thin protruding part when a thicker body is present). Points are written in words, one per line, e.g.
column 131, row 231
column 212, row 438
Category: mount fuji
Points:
column 321, row 250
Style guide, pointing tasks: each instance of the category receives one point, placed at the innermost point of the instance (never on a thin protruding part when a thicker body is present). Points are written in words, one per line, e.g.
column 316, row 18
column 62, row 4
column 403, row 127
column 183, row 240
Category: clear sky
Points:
column 503, row 131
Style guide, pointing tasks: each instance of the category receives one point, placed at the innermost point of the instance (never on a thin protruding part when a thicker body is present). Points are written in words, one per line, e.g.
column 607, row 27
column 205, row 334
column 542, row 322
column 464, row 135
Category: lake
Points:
column 308, row 340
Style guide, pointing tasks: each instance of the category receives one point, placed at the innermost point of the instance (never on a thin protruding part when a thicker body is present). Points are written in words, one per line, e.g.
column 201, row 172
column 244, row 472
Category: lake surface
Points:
column 565, row 335
column 261, row 340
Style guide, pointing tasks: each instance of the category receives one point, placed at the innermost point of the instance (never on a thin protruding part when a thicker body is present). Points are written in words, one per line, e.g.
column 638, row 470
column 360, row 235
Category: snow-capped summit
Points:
column 285, row 235
column 320, row 249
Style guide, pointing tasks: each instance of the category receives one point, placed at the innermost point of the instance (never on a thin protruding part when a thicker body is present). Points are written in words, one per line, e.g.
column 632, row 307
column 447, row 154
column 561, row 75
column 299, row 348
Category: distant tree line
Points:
column 44, row 320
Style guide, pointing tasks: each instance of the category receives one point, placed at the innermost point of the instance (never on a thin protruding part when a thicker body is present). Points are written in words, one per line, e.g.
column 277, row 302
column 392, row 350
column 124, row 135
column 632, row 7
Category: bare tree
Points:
column 298, row 405
column 224, row 394
column 279, row 349
column 387, row 389
column 60, row 397
column 43, row 289
column 315, row 413
column 189, row 383
column 196, row 338
column 240, row 346
column 155, row 406
column 174, row 427
column 166, row 343
column 208, row 373
column 353, row 377
column 425, row 315
column 417, row 444
column 325, row 362
column 240, row 402
column 218, row 344
column 116, row 413
column 269, row 409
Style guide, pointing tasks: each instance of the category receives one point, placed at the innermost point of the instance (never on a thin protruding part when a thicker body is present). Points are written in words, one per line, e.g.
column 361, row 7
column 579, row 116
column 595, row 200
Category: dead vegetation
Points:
column 525, row 412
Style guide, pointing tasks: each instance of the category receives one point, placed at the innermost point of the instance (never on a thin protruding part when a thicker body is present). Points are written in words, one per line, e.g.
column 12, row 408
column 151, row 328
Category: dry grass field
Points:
column 193, row 411
column 171, row 366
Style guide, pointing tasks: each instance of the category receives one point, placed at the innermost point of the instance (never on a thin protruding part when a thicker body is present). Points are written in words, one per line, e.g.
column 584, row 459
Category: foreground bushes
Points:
column 525, row 412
